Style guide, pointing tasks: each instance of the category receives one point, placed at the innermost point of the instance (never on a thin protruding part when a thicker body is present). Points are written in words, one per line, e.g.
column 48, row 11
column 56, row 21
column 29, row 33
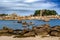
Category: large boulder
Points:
column 24, row 31
column 17, row 31
column 46, row 26
column 42, row 30
column 10, row 30
column 3, row 31
column 5, row 28
column 29, row 34
column 55, row 28
column 54, row 33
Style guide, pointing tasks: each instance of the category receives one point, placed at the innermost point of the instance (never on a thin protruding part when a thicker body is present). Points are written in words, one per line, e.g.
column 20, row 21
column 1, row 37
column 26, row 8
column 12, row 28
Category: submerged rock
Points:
column 24, row 24
column 19, row 21
column 31, row 23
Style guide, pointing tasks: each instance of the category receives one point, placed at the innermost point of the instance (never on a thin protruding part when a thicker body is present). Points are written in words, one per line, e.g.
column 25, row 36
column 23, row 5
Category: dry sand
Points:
column 29, row 38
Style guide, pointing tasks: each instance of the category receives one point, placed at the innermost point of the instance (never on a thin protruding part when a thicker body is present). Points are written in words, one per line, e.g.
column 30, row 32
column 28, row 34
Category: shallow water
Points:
column 13, row 23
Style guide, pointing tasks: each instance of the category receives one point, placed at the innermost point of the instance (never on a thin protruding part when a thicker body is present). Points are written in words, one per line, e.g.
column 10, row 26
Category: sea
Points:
column 14, row 25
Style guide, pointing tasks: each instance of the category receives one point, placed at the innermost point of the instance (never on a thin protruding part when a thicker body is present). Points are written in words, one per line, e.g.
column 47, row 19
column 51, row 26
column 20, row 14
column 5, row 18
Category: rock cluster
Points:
column 40, row 30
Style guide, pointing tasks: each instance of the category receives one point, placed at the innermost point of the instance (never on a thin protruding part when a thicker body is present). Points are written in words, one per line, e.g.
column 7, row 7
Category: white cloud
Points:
column 28, row 1
column 10, row 3
column 33, row 6
column 9, row 0
column 44, row 5
column 29, row 5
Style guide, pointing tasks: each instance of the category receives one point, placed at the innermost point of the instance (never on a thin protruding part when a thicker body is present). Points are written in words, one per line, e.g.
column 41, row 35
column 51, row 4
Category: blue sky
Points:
column 28, row 7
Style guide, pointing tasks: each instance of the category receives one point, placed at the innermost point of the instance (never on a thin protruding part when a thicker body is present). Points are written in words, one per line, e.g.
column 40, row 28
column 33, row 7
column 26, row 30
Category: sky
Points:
column 28, row 7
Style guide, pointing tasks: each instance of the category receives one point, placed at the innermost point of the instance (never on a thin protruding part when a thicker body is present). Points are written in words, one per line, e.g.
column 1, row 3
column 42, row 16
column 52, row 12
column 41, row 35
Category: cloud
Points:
column 9, row 0
column 29, row 1
column 44, row 5
column 24, row 6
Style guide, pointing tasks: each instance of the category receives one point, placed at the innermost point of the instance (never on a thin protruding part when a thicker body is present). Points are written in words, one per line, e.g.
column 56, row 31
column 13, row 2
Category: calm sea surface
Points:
column 13, row 23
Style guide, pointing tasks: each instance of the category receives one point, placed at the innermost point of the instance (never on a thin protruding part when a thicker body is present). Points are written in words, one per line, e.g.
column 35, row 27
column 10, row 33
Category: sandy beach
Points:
column 28, row 38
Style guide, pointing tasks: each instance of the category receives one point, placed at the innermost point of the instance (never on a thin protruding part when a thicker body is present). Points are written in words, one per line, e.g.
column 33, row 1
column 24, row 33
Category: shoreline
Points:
column 45, row 18
column 30, row 19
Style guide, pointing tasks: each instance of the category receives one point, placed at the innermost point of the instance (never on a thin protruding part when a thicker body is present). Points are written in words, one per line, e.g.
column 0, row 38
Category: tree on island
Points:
column 45, row 12
column 3, row 14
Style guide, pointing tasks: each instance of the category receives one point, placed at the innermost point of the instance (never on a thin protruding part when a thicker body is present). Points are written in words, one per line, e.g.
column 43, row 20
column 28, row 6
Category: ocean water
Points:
column 14, row 25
